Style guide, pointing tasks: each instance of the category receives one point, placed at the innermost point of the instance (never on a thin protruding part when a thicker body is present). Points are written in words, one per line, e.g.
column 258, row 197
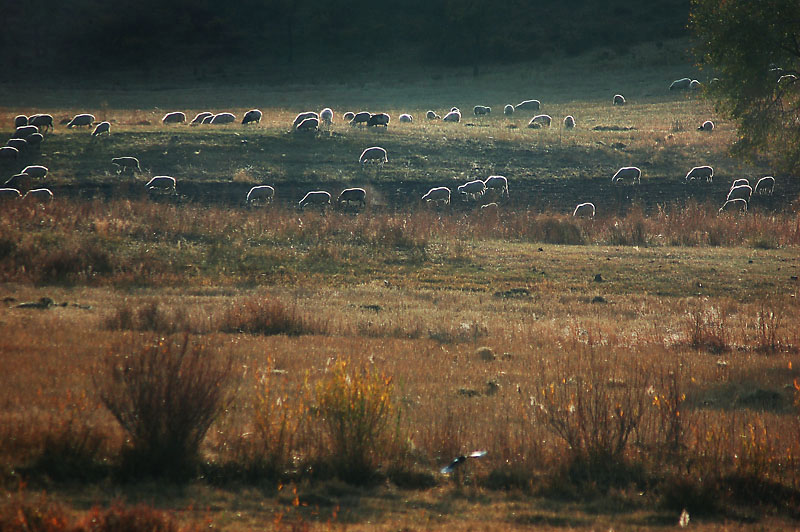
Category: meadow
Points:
column 208, row 364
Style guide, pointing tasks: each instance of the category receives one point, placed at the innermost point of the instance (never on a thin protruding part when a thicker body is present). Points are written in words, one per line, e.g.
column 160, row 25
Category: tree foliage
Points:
column 754, row 50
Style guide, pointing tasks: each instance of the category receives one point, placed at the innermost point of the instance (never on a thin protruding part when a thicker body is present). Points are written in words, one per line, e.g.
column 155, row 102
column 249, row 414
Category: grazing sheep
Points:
column 102, row 127
column 19, row 144
column 452, row 116
column 787, row 78
column 700, row 172
column 508, row 110
column 23, row 131
column 302, row 116
column 9, row 194
column 36, row 171
column 16, row 180
column 627, row 172
column 740, row 192
column 361, row 117
column 695, row 85
column 200, row 118
column 481, row 110
column 34, row 139
column 539, row 121
column 431, row 115
column 357, row 195
column 309, row 124
column 39, row 194
column 84, row 119
column 348, row 116
column 497, row 183
column 584, row 210
column 406, row 118
column 163, row 184
column 473, row 189
column 223, row 118
column 765, row 186
column 326, row 115
column 253, row 115
column 490, row 208
column 176, row 117
column 437, row 194
column 375, row 153
column 43, row 121
column 208, row 119
column 8, row 152
column 680, row 84
column 20, row 120
column 528, row 105
column 740, row 182
column 315, row 197
column 736, row 204
column 260, row 193
column 124, row 163
column 708, row 125
column 569, row 121
column 378, row 119
column 618, row 100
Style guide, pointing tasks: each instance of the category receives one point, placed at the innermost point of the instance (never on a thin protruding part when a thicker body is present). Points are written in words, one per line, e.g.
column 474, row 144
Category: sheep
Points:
column 473, row 189
column 695, row 85
column 200, row 118
column 680, row 84
column 540, row 120
column 20, row 120
column 102, row 127
column 378, row 119
column 348, row 116
column 584, row 210
column 528, row 105
column 176, row 117
column 19, row 144
column 123, row 163
column 700, row 172
column 9, row 194
column 436, row 195
column 34, row 139
column 223, row 118
column 260, row 193
column 84, row 119
column 302, row 116
column 35, row 171
column 455, row 109
column 358, row 195
column 315, row 197
column 163, row 184
column 618, row 99
column 406, row 118
column 253, row 115
column 787, row 78
column 39, row 194
column 431, row 115
column 309, row 124
column 569, row 122
column 490, row 207
column 42, row 121
column 765, row 186
column 375, row 153
column 8, row 152
column 740, row 192
column 736, row 204
column 361, row 117
column 739, row 182
column 208, row 119
column 16, row 180
column 508, row 110
column 326, row 115
column 23, row 131
column 627, row 172
column 497, row 183
column 452, row 116
column 481, row 110
column 708, row 125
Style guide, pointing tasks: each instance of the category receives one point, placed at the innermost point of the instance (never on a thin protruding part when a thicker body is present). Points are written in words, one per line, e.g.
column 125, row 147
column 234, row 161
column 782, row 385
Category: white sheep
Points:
column 223, row 118
column 357, row 195
column 708, row 125
column 348, row 116
column 315, row 197
column 627, row 172
column 302, row 116
column 497, row 183
column 528, row 105
column 375, row 153
column 362, row 117
column 162, row 184
column 406, row 118
column 253, row 115
column 20, row 120
column 9, row 193
column 765, row 185
column 19, row 144
column 480, row 110
column 260, row 193
column 309, row 124
column 102, row 127
column 39, row 194
column 736, row 204
column 16, row 180
column 787, row 78
column 24, row 131
column 695, row 85
column 680, row 84
column 8, row 152
column 200, row 117
column 431, row 115
column 508, row 110
column 326, row 116
column 618, row 100
column 739, row 182
column 176, row 117
column 123, row 163
column 36, row 171
column 42, row 120
column 34, row 139
column 84, row 119
column 452, row 116
column 472, row 189
column 569, row 121
column 539, row 121
column 436, row 195
column 700, row 172
column 740, row 192
column 490, row 207
column 584, row 210
column 378, row 119
column 208, row 118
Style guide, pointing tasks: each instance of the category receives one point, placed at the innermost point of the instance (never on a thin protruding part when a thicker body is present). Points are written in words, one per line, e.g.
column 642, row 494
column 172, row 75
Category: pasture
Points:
column 617, row 369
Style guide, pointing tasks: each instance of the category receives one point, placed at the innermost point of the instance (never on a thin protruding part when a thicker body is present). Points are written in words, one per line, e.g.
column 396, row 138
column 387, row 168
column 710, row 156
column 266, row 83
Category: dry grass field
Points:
column 202, row 364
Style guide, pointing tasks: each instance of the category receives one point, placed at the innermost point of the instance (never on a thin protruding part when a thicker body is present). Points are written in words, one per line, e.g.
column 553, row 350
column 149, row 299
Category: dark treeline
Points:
column 84, row 35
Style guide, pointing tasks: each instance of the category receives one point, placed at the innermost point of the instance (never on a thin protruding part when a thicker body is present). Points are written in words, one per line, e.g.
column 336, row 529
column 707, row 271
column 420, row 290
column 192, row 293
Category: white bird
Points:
column 460, row 460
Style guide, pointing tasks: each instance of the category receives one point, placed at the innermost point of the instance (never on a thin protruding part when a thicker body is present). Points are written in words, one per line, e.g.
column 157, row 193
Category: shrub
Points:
column 18, row 515
column 259, row 315
column 165, row 395
column 707, row 328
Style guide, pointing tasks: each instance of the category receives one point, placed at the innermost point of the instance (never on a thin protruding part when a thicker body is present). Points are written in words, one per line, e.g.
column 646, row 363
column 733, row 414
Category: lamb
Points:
column 437, row 194
column 223, row 118
column 539, row 121
column 378, row 119
column 739, row 182
column 34, row 139
column 8, row 152
column 315, row 197
column 35, row 171
column 680, row 84
column 361, row 117
column 740, row 192
column 452, row 116
column 375, row 153
column 102, row 127
column 736, row 204
column 528, row 105
column 584, row 210
column 700, row 172
column 508, row 110
column 84, row 119
column 253, row 115
column 309, row 124
column 9, row 194
column 497, row 183
column 123, row 163
column 627, row 172
column 695, row 85
column 765, row 186
column 20, row 120
column 326, row 115
column 200, row 118
column 569, row 121
column 23, row 131
column 431, row 115
column 473, row 189
column 176, row 117
column 161, row 183
column 39, row 194
column 406, row 118
column 348, row 116
column 19, row 144
column 708, row 125
column 481, row 110
column 260, row 193
column 42, row 121
column 618, row 100
column 358, row 195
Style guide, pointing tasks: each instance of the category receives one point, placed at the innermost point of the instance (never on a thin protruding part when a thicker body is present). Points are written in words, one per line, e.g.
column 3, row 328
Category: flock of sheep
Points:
column 29, row 134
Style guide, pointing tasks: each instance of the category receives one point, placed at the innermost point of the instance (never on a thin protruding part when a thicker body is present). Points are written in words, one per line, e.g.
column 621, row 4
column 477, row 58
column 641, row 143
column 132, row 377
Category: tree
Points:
column 753, row 47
